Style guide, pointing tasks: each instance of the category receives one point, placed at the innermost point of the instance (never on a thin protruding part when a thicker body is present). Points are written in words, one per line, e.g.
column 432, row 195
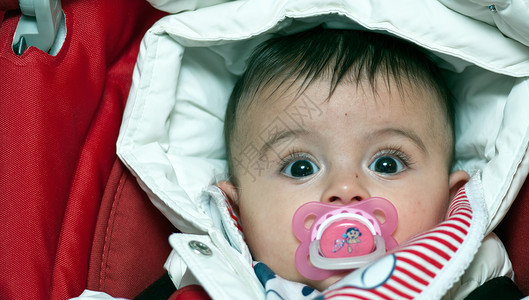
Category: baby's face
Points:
column 348, row 148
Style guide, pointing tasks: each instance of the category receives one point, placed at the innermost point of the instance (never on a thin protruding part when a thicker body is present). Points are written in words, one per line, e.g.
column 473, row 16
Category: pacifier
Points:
column 342, row 237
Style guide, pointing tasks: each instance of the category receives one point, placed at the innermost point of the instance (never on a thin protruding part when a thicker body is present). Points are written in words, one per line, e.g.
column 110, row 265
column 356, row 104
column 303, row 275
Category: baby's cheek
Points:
column 253, row 237
column 272, row 242
column 260, row 234
column 418, row 218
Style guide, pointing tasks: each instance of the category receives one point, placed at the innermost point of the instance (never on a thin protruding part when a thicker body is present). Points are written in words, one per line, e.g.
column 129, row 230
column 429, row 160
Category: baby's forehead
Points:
column 300, row 100
column 296, row 108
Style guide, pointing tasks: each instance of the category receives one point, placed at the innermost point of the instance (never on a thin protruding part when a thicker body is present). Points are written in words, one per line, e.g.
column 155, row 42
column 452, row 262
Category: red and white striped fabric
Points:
column 427, row 265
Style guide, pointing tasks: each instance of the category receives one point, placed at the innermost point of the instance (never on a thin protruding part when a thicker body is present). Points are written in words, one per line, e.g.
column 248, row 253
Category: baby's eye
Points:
column 300, row 168
column 387, row 165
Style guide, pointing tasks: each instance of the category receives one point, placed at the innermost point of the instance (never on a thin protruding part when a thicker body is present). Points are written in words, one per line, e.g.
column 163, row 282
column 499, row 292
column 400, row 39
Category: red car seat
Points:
column 73, row 216
column 60, row 117
column 514, row 233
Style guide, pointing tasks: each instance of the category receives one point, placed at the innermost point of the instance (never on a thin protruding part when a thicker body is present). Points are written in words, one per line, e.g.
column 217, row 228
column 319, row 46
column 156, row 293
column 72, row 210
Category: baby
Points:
column 337, row 116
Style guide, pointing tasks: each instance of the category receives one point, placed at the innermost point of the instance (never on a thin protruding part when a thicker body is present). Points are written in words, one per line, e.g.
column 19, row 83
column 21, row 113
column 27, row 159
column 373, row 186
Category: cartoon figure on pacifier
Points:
column 352, row 236
column 342, row 237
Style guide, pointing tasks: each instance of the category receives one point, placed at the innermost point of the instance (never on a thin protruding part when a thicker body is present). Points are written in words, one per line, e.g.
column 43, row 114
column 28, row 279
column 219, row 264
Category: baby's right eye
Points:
column 300, row 168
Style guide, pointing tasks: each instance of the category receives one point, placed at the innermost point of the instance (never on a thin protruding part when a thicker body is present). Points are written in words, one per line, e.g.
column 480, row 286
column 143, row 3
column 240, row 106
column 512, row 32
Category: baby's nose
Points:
column 345, row 190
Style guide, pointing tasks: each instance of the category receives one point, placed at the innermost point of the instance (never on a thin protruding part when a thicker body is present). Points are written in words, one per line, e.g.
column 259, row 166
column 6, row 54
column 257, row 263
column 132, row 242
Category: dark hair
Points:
column 338, row 53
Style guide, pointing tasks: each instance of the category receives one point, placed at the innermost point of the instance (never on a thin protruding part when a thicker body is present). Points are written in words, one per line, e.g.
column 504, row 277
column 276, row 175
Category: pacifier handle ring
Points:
column 321, row 262
column 353, row 216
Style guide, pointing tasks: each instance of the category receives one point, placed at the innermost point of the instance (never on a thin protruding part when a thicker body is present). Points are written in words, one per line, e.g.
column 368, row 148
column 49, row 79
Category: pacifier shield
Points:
column 346, row 238
column 342, row 237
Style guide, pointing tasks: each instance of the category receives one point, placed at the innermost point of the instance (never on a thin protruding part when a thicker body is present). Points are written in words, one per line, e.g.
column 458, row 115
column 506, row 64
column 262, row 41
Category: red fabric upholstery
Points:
column 190, row 292
column 9, row 4
column 131, row 239
column 60, row 118
column 514, row 232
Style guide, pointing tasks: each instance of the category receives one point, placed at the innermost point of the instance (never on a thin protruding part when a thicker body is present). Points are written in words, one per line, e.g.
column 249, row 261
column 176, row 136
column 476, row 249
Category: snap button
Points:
column 492, row 8
column 200, row 248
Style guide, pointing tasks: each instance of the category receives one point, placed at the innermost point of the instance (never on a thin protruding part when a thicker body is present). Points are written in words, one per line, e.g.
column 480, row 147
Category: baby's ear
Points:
column 456, row 180
column 231, row 192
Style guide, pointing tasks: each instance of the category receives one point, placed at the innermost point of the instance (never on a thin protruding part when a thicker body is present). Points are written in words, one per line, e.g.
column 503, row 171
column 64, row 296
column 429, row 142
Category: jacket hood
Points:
column 171, row 136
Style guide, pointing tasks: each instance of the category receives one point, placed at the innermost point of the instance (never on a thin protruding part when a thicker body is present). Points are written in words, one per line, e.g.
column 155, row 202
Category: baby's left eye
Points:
column 387, row 165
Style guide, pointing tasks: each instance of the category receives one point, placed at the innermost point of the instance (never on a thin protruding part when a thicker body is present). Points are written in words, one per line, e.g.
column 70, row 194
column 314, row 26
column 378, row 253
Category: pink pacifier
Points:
column 342, row 237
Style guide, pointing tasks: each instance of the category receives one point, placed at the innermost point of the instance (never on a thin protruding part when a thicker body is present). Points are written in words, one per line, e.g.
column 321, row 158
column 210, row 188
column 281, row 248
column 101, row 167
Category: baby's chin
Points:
column 321, row 285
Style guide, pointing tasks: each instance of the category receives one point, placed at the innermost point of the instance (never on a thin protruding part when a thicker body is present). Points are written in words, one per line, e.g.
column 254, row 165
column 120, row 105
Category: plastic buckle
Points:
column 38, row 25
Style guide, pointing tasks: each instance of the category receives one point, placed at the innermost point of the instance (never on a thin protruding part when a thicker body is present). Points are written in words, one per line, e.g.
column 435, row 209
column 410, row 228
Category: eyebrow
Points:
column 279, row 137
column 409, row 134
